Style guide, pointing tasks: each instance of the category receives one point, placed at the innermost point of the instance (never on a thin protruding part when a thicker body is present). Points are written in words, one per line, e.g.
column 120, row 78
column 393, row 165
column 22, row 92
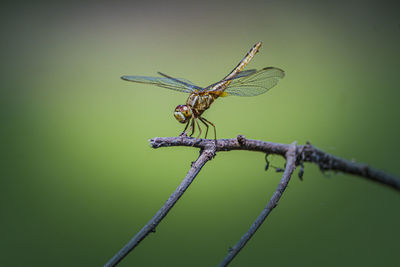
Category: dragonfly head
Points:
column 182, row 113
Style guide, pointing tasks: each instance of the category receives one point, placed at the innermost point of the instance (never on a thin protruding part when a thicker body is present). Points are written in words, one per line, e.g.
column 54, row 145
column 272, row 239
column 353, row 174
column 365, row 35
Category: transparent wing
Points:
column 244, row 74
column 256, row 83
column 177, row 84
column 239, row 75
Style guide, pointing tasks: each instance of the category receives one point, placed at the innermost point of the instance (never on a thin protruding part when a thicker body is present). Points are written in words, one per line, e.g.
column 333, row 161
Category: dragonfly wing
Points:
column 177, row 84
column 244, row 74
column 241, row 74
column 256, row 83
column 182, row 81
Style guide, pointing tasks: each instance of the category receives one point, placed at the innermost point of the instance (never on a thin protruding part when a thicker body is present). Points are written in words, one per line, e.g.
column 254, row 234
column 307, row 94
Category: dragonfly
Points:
column 238, row 82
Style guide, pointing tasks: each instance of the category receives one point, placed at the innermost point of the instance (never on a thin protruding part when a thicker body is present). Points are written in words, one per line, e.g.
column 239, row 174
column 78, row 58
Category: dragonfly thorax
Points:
column 182, row 113
column 199, row 103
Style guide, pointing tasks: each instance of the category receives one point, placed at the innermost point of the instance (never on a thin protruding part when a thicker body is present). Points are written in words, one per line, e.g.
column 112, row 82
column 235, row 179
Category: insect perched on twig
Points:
column 238, row 82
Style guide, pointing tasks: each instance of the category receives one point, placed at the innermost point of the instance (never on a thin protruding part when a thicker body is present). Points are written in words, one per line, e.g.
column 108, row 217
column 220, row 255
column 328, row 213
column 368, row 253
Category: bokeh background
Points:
column 78, row 178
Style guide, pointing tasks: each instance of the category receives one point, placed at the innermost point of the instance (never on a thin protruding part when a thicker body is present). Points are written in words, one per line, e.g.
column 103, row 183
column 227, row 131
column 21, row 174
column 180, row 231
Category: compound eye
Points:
column 182, row 113
column 179, row 116
column 185, row 111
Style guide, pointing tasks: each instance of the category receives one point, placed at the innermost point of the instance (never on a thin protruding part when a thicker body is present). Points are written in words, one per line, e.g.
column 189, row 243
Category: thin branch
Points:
column 206, row 154
column 306, row 153
column 327, row 162
column 272, row 203
column 295, row 155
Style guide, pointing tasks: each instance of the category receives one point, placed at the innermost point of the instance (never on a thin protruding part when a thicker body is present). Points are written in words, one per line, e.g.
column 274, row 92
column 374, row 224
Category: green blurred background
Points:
column 78, row 178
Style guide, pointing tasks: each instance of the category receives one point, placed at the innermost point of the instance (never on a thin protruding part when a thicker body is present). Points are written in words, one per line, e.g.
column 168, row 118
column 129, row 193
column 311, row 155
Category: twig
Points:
column 272, row 203
column 205, row 155
column 306, row 153
column 329, row 162
column 294, row 154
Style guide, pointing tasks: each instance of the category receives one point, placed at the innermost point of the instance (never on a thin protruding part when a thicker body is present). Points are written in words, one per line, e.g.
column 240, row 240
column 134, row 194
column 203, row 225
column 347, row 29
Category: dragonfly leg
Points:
column 198, row 126
column 201, row 119
column 212, row 124
column 184, row 131
column 192, row 127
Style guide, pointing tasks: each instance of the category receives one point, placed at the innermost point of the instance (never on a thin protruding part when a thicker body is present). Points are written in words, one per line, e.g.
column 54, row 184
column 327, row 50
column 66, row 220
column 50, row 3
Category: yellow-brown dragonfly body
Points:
column 237, row 82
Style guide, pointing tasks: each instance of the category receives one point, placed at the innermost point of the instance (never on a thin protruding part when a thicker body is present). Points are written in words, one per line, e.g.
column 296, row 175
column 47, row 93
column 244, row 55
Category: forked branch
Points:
column 304, row 153
column 287, row 174
column 295, row 155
